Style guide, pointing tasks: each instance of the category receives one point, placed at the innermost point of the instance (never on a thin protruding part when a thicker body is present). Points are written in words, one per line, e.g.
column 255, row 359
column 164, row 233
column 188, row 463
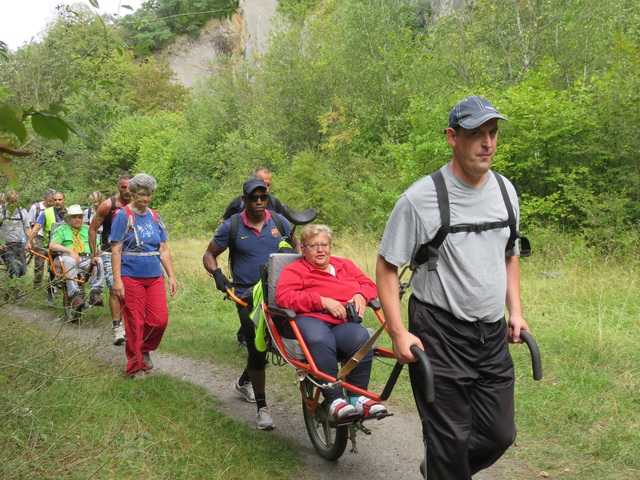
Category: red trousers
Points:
column 145, row 315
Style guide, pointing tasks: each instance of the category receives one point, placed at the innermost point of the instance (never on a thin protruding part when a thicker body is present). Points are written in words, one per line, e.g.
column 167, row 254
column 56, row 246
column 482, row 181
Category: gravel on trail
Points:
column 392, row 451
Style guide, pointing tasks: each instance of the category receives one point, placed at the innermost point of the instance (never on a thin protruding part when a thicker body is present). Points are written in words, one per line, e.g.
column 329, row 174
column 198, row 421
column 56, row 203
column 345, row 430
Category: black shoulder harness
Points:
column 428, row 253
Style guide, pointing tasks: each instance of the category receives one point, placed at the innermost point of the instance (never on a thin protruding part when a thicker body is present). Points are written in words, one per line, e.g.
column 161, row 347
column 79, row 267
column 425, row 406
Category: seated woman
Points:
column 317, row 287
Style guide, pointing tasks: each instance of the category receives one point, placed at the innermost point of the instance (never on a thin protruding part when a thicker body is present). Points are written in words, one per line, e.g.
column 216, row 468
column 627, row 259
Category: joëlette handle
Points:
column 536, row 362
column 429, row 387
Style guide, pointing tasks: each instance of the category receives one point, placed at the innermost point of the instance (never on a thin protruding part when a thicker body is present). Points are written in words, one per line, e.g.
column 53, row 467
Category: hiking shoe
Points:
column 77, row 300
column 49, row 301
column 139, row 375
column 340, row 409
column 245, row 391
column 147, row 360
column 265, row 422
column 96, row 301
column 367, row 407
column 118, row 333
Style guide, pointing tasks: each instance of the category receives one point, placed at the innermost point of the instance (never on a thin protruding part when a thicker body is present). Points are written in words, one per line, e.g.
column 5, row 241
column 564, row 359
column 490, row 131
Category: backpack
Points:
column 233, row 233
column 131, row 220
column 428, row 252
column 5, row 211
column 39, row 210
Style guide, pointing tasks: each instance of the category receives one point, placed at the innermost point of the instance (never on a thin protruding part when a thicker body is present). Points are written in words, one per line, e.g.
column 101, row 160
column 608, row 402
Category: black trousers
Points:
column 255, row 358
column 471, row 422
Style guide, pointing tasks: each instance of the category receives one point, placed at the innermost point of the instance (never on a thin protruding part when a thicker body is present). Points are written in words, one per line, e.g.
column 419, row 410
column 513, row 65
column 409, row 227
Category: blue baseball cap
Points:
column 471, row 112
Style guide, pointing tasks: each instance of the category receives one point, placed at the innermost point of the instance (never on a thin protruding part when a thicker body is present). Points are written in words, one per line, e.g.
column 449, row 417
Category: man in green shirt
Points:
column 71, row 240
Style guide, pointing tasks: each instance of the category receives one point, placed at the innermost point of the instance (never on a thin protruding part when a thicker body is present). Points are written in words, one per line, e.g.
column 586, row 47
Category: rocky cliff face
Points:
column 245, row 34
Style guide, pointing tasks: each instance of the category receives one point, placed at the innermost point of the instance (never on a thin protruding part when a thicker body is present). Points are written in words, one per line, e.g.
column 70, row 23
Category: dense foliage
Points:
column 158, row 21
column 348, row 106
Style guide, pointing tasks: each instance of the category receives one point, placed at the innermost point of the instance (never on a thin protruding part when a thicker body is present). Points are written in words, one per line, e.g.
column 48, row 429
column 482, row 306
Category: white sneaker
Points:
column 340, row 409
column 265, row 422
column 118, row 333
column 139, row 375
column 367, row 407
column 245, row 391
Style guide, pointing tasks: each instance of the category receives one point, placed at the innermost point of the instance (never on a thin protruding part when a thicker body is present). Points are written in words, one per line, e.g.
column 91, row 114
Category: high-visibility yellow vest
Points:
column 49, row 220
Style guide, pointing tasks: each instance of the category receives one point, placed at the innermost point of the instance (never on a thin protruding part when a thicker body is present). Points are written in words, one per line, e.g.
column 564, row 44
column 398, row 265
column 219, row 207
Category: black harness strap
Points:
column 428, row 253
column 525, row 246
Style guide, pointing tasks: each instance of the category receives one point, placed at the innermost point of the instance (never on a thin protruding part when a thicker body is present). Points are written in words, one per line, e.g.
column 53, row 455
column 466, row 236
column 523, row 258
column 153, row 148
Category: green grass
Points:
column 579, row 422
column 63, row 415
column 583, row 416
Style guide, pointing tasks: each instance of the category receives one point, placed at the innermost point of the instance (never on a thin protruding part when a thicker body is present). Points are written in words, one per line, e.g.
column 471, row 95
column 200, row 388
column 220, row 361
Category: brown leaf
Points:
column 8, row 147
column 5, row 167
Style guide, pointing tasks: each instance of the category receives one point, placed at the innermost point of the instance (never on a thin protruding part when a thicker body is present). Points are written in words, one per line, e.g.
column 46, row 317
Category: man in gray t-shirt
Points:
column 456, row 311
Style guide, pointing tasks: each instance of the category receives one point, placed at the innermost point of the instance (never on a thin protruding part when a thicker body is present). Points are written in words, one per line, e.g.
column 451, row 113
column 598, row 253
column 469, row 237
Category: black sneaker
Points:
column 147, row 360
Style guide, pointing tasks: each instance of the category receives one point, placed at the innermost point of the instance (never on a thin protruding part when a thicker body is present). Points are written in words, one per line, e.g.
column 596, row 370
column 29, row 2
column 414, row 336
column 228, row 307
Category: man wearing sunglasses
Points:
column 258, row 235
column 237, row 205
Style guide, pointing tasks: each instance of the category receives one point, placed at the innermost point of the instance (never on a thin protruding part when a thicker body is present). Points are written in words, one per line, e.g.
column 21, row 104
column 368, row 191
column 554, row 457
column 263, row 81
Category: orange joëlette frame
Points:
column 47, row 256
column 310, row 367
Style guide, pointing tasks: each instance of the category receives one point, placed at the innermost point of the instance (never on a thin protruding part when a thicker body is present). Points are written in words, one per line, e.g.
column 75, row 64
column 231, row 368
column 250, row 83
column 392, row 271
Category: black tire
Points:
column 329, row 441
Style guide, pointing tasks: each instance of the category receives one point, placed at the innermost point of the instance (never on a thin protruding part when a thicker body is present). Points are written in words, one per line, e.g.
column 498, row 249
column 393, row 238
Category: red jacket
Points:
column 300, row 287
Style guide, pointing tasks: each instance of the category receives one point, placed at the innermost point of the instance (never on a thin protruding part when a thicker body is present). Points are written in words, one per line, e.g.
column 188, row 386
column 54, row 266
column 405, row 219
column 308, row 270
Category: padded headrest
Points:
column 277, row 261
column 55, row 225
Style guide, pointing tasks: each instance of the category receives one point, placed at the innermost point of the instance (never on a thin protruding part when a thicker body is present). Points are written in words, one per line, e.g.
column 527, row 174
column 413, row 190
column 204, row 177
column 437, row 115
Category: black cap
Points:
column 250, row 184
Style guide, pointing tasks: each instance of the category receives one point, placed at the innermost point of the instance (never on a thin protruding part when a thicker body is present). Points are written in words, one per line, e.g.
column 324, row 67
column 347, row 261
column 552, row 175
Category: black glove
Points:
column 222, row 282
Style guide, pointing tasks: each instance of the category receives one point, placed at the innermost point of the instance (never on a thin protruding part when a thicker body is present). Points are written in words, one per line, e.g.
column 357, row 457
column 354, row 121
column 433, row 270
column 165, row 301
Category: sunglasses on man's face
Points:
column 255, row 198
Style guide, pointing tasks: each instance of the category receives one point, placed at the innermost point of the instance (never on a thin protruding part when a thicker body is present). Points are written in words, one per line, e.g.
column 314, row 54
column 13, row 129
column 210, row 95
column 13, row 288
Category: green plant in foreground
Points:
column 64, row 415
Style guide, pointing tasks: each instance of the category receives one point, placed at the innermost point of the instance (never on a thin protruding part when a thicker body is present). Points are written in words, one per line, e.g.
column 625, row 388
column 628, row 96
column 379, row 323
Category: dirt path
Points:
column 392, row 451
